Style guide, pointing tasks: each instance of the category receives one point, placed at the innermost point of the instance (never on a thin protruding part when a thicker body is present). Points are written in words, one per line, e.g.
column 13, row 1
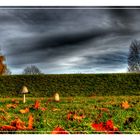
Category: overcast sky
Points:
column 68, row 40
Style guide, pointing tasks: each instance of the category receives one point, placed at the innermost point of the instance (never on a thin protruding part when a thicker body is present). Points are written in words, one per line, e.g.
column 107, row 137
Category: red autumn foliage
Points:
column 98, row 127
column 37, row 104
column 107, row 127
column 8, row 128
column 17, row 124
column 30, row 122
column 59, row 130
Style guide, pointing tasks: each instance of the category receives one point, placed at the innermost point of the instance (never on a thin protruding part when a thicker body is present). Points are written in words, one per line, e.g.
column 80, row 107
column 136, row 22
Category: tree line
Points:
column 29, row 70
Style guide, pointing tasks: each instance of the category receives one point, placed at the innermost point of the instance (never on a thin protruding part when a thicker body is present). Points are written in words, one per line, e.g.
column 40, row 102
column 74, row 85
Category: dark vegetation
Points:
column 71, row 84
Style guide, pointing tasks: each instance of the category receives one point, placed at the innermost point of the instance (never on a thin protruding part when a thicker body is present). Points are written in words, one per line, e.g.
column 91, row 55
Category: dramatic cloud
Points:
column 72, row 40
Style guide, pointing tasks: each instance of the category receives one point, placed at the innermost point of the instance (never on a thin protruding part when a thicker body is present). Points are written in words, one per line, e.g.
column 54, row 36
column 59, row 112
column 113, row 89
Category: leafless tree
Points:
column 31, row 70
column 134, row 57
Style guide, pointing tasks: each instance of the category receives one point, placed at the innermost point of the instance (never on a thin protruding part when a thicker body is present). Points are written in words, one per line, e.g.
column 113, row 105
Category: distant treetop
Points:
column 31, row 70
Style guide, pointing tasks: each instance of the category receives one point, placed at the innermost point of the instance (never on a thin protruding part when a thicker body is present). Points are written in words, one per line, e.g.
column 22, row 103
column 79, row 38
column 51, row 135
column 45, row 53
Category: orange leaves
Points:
column 30, row 122
column 37, row 104
column 11, row 106
column 125, row 105
column 59, row 130
column 17, row 124
column 8, row 128
column 107, row 127
column 74, row 116
column 79, row 118
column 3, row 118
column 5, row 115
column 2, row 111
column 23, row 111
column 98, row 127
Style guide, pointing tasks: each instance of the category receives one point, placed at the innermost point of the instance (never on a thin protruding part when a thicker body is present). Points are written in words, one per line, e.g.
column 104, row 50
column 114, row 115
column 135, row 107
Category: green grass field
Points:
column 74, row 114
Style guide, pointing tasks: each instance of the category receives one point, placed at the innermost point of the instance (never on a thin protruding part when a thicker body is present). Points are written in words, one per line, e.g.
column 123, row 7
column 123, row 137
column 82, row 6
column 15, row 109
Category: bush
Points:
column 71, row 84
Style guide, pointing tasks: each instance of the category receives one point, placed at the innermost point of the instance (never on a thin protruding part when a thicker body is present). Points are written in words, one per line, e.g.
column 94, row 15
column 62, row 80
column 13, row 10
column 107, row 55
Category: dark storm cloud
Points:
column 114, row 59
column 64, row 41
column 68, row 40
column 122, row 14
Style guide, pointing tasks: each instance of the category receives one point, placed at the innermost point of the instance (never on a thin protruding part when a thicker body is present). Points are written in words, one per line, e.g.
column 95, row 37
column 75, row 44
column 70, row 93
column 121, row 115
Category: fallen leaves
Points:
column 107, row 127
column 37, row 104
column 74, row 116
column 17, row 124
column 40, row 110
column 125, row 105
column 79, row 118
column 11, row 106
column 2, row 111
column 23, row 111
column 5, row 115
column 59, row 130
column 30, row 122
column 8, row 128
column 3, row 118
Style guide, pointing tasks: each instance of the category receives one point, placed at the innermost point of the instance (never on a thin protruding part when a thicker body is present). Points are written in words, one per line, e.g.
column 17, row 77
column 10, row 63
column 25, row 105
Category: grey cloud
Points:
column 68, row 40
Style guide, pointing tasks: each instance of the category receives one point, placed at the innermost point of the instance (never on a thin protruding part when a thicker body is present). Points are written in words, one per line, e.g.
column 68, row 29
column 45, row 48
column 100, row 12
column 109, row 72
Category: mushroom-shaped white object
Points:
column 24, row 91
column 56, row 97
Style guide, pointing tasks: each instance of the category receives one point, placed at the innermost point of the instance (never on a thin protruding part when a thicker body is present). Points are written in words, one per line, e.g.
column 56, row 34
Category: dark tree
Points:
column 29, row 70
column 134, row 57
